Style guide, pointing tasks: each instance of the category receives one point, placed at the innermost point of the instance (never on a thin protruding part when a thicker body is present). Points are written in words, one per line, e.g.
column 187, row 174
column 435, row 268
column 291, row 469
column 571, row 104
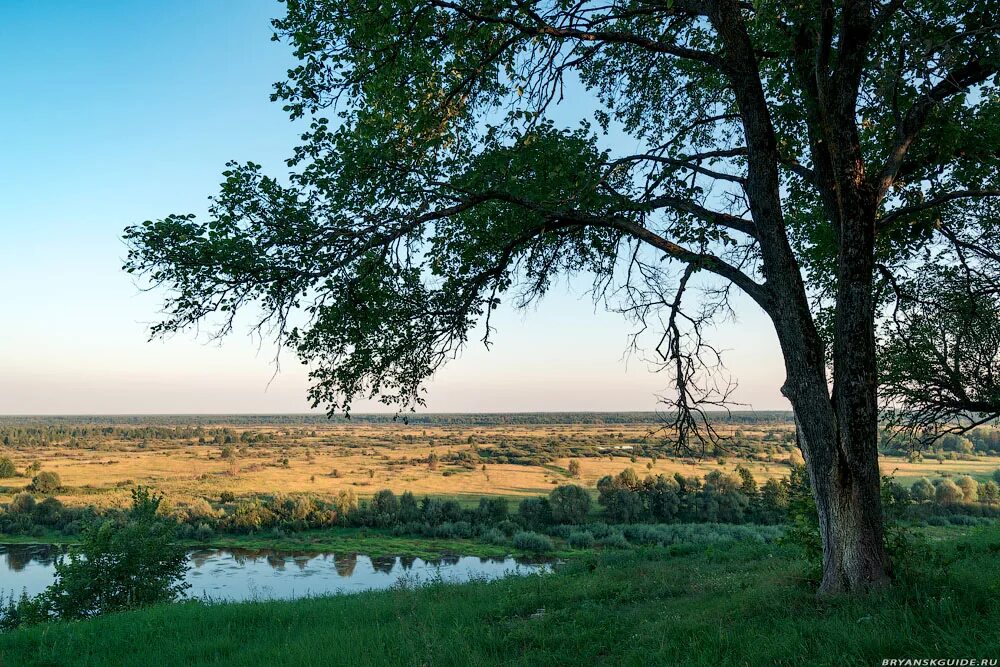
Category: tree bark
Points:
column 838, row 430
column 843, row 472
column 838, row 435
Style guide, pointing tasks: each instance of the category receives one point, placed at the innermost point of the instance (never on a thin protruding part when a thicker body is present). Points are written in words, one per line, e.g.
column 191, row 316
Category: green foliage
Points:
column 803, row 530
column 23, row 503
column 7, row 469
column 675, row 596
column 922, row 490
column 580, row 539
column 535, row 511
column 990, row 493
column 118, row 565
column 970, row 488
column 948, row 492
column 569, row 504
column 529, row 541
column 46, row 482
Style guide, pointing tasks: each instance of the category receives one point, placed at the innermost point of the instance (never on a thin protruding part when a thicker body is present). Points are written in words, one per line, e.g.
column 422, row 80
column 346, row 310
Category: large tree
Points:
column 810, row 154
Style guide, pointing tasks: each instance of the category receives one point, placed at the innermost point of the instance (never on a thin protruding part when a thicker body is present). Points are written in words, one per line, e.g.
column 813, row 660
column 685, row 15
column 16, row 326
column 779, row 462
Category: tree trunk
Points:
column 850, row 522
column 847, row 490
column 838, row 438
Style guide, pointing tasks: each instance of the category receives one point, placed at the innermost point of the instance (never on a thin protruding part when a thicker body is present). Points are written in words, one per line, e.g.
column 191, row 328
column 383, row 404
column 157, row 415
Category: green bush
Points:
column 569, row 504
column 48, row 512
column 970, row 488
column 23, row 503
column 529, row 541
column 7, row 468
column 922, row 491
column 46, row 482
column 581, row 540
column 948, row 492
column 614, row 541
column 204, row 532
column 494, row 536
column 118, row 565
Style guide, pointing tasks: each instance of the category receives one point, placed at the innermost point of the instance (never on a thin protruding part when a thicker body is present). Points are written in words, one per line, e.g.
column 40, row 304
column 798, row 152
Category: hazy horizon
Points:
column 103, row 131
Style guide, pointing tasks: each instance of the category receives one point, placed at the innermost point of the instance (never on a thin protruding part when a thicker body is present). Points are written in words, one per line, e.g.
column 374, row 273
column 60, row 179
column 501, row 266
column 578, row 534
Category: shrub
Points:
column 250, row 516
column 528, row 541
column 507, row 527
column 204, row 532
column 385, row 507
column 922, row 491
column 23, row 503
column 46, row 482
column 963, row 520
column 581, row 540
column 989, row 493
column 948, row 492
column 7, row 468
column 117, row 566
column 492, row 510
column 614, row 541
column 197, row 511
column 227, row 497
column 535, row 511
column 494, row 536
column 569, row 504
column 970, row 488
column 48, row 512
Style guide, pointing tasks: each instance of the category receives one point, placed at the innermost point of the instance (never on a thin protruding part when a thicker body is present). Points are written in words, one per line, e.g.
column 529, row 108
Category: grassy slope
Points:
column 737, row 604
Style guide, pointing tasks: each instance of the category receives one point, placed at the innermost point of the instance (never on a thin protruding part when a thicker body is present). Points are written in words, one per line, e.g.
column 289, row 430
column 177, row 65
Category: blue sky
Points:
column 120, row 111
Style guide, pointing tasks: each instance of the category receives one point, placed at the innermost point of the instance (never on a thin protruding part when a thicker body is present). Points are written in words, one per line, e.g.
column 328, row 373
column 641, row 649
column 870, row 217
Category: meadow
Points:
column 637, row 582
column 448, row 456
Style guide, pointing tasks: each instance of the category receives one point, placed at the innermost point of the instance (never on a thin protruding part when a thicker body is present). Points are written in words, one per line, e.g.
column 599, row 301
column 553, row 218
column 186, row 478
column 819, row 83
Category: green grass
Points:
column 732, row 604
column 368, row 541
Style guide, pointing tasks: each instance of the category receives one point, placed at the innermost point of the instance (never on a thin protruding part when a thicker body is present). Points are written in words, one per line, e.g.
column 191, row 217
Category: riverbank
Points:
column 370, row 541
column 729, row 604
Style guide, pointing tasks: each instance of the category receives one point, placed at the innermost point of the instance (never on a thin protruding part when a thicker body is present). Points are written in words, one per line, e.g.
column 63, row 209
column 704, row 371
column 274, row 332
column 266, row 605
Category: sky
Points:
column 119, row 111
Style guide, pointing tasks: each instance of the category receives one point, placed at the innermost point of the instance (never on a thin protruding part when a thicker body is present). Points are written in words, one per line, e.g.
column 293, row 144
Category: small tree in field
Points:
column 569, row 504
column 970, row 488
column 989, row 493
column 948, row 492
column 46, row 482
column 922, row 491
column 574, row 468
column 7, row 468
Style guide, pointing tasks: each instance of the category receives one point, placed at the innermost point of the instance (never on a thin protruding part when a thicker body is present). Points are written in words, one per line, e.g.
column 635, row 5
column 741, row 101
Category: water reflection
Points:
column 241, row 574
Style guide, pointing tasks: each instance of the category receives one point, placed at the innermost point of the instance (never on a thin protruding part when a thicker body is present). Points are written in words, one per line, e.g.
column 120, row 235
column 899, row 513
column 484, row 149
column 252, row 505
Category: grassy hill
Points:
column 736, row 604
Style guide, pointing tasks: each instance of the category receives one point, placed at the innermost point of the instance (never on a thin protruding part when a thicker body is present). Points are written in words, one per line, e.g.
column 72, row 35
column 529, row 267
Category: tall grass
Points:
column 735, row 603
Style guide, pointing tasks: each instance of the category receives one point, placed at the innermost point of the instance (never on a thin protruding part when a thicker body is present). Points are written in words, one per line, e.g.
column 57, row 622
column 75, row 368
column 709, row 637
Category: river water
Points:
column 247, row 574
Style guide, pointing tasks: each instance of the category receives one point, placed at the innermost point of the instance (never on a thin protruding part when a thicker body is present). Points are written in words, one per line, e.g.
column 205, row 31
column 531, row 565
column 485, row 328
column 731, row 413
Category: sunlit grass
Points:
column 735, row 604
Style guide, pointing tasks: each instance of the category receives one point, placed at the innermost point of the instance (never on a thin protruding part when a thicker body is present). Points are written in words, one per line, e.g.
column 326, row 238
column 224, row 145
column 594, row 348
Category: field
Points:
column 736, row 604
column 201, row 457
column 710, row 595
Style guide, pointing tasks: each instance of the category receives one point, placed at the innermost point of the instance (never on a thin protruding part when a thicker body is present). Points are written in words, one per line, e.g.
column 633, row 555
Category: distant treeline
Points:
column 82, row 434
column 429, row 419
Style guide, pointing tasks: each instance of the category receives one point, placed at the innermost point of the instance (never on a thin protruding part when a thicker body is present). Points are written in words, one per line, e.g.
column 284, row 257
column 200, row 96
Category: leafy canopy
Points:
column 463, row 152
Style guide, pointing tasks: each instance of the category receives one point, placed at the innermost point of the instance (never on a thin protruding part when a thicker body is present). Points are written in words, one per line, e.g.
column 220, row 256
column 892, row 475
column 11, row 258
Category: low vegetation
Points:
column 118, row 565
column 651, row 606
